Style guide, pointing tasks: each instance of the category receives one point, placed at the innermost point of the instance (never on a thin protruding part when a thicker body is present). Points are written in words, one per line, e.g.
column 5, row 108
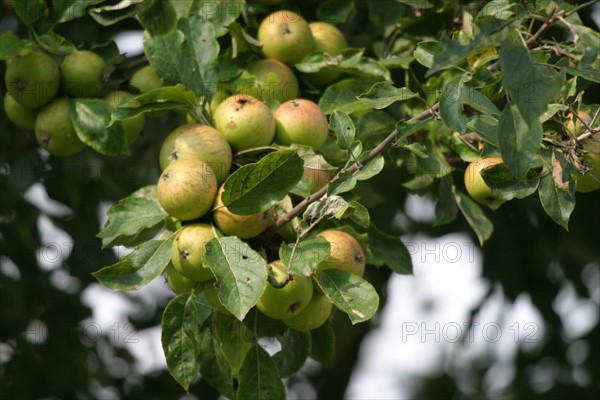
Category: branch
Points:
column 379, row 149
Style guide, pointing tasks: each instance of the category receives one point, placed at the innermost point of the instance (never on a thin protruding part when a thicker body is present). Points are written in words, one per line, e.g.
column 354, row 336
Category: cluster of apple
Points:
column 39, row 89
column 587, row 182
column 196, row 160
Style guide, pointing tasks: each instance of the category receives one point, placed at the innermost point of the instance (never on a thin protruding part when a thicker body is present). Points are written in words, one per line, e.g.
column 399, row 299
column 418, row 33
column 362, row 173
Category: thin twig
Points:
column 379, row 149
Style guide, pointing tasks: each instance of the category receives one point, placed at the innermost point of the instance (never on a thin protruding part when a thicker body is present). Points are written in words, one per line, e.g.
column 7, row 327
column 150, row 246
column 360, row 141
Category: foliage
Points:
column 440, row 85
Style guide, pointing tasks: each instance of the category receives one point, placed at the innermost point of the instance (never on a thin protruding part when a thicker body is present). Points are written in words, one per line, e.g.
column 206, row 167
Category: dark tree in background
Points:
column 49, row 344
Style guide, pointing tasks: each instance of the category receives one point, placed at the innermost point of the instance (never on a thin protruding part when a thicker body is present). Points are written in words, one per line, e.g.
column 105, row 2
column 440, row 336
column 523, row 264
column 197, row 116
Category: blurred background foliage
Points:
column 45, row 352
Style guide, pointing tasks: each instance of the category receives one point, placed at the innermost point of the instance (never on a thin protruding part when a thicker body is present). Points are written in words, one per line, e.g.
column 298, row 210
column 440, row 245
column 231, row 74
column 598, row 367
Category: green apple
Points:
column 345, row 254
column 285, row 36
column 177, row 282
column 32, row 79
column 590, row 181
column 476, row 186
column 288, row 301
column 245, row 122
column 54, row 130
column 83, row 74
column 314, row 314
column 242, row 226
column 212, row 295
column 301, row 122
column 132, row 126
column 275, row 81
column 145, row 79
column 331, row 41
column 198, row 142
column 187, row 189
column 21, row 116
column 188, row 249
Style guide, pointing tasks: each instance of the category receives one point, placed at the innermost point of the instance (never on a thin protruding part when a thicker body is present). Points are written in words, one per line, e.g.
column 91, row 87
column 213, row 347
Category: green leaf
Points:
column 11, row 45
column 445, row 207
column 91, row 119
column 426, row 51
column 486, row 126
column 157, row 16
column 335, row 11
column 241, row 273
column 587, row 74
column 556, row 192
column 360, row 214
column 322, row 343
column 30, row 11
column 342, row 96
column 235, row 339
column 130, row 218
column 529, row 86
column 295, row 348
column 388, row 250
column 259, row 377
column 343, row 127
column 307, row 255
column 454, row 96
column 54, row 43
column 220, row 13
column 349, row 293
column 181, row 324
column 345, row 183
column 519, row 142
column 384, row 94
column 505, row 186
column 259, row 186
column 162, row 98
column 372, row 168
column 146, row 262
column 213, row 361
column 111, row 14
column 69, row 10
column 475, row 217
column 202, row 39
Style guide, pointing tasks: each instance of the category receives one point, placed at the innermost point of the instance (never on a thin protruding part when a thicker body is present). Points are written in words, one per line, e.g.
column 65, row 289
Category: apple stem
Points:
column 379, row 149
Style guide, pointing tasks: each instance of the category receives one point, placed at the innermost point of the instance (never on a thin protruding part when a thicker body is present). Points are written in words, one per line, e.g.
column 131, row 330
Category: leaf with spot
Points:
column 182, row 321
column 240, row 271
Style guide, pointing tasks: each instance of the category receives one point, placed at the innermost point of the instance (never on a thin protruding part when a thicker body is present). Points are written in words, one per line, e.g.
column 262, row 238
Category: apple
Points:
column 331, row 41
column 314, row 314
column 476, row 186
column 198, row 142
column 132, row 126
column 145, row 79
column 242, row 226
column 285, row 36
column 54, row 130
column 245, row 122
column 212, row 295
column 301, row 122
column 21, row 116
column 177, row 282
column 187, row 189
column 288, row 301
column 578, row 127
column 188, row 249
column 32, row 79
column 345, row 254
column 275, row 81
column 83, row 74
column 590, row 181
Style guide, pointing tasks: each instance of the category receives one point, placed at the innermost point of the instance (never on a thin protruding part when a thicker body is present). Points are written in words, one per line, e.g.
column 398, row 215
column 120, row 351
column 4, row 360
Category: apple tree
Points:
column 270, row 144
